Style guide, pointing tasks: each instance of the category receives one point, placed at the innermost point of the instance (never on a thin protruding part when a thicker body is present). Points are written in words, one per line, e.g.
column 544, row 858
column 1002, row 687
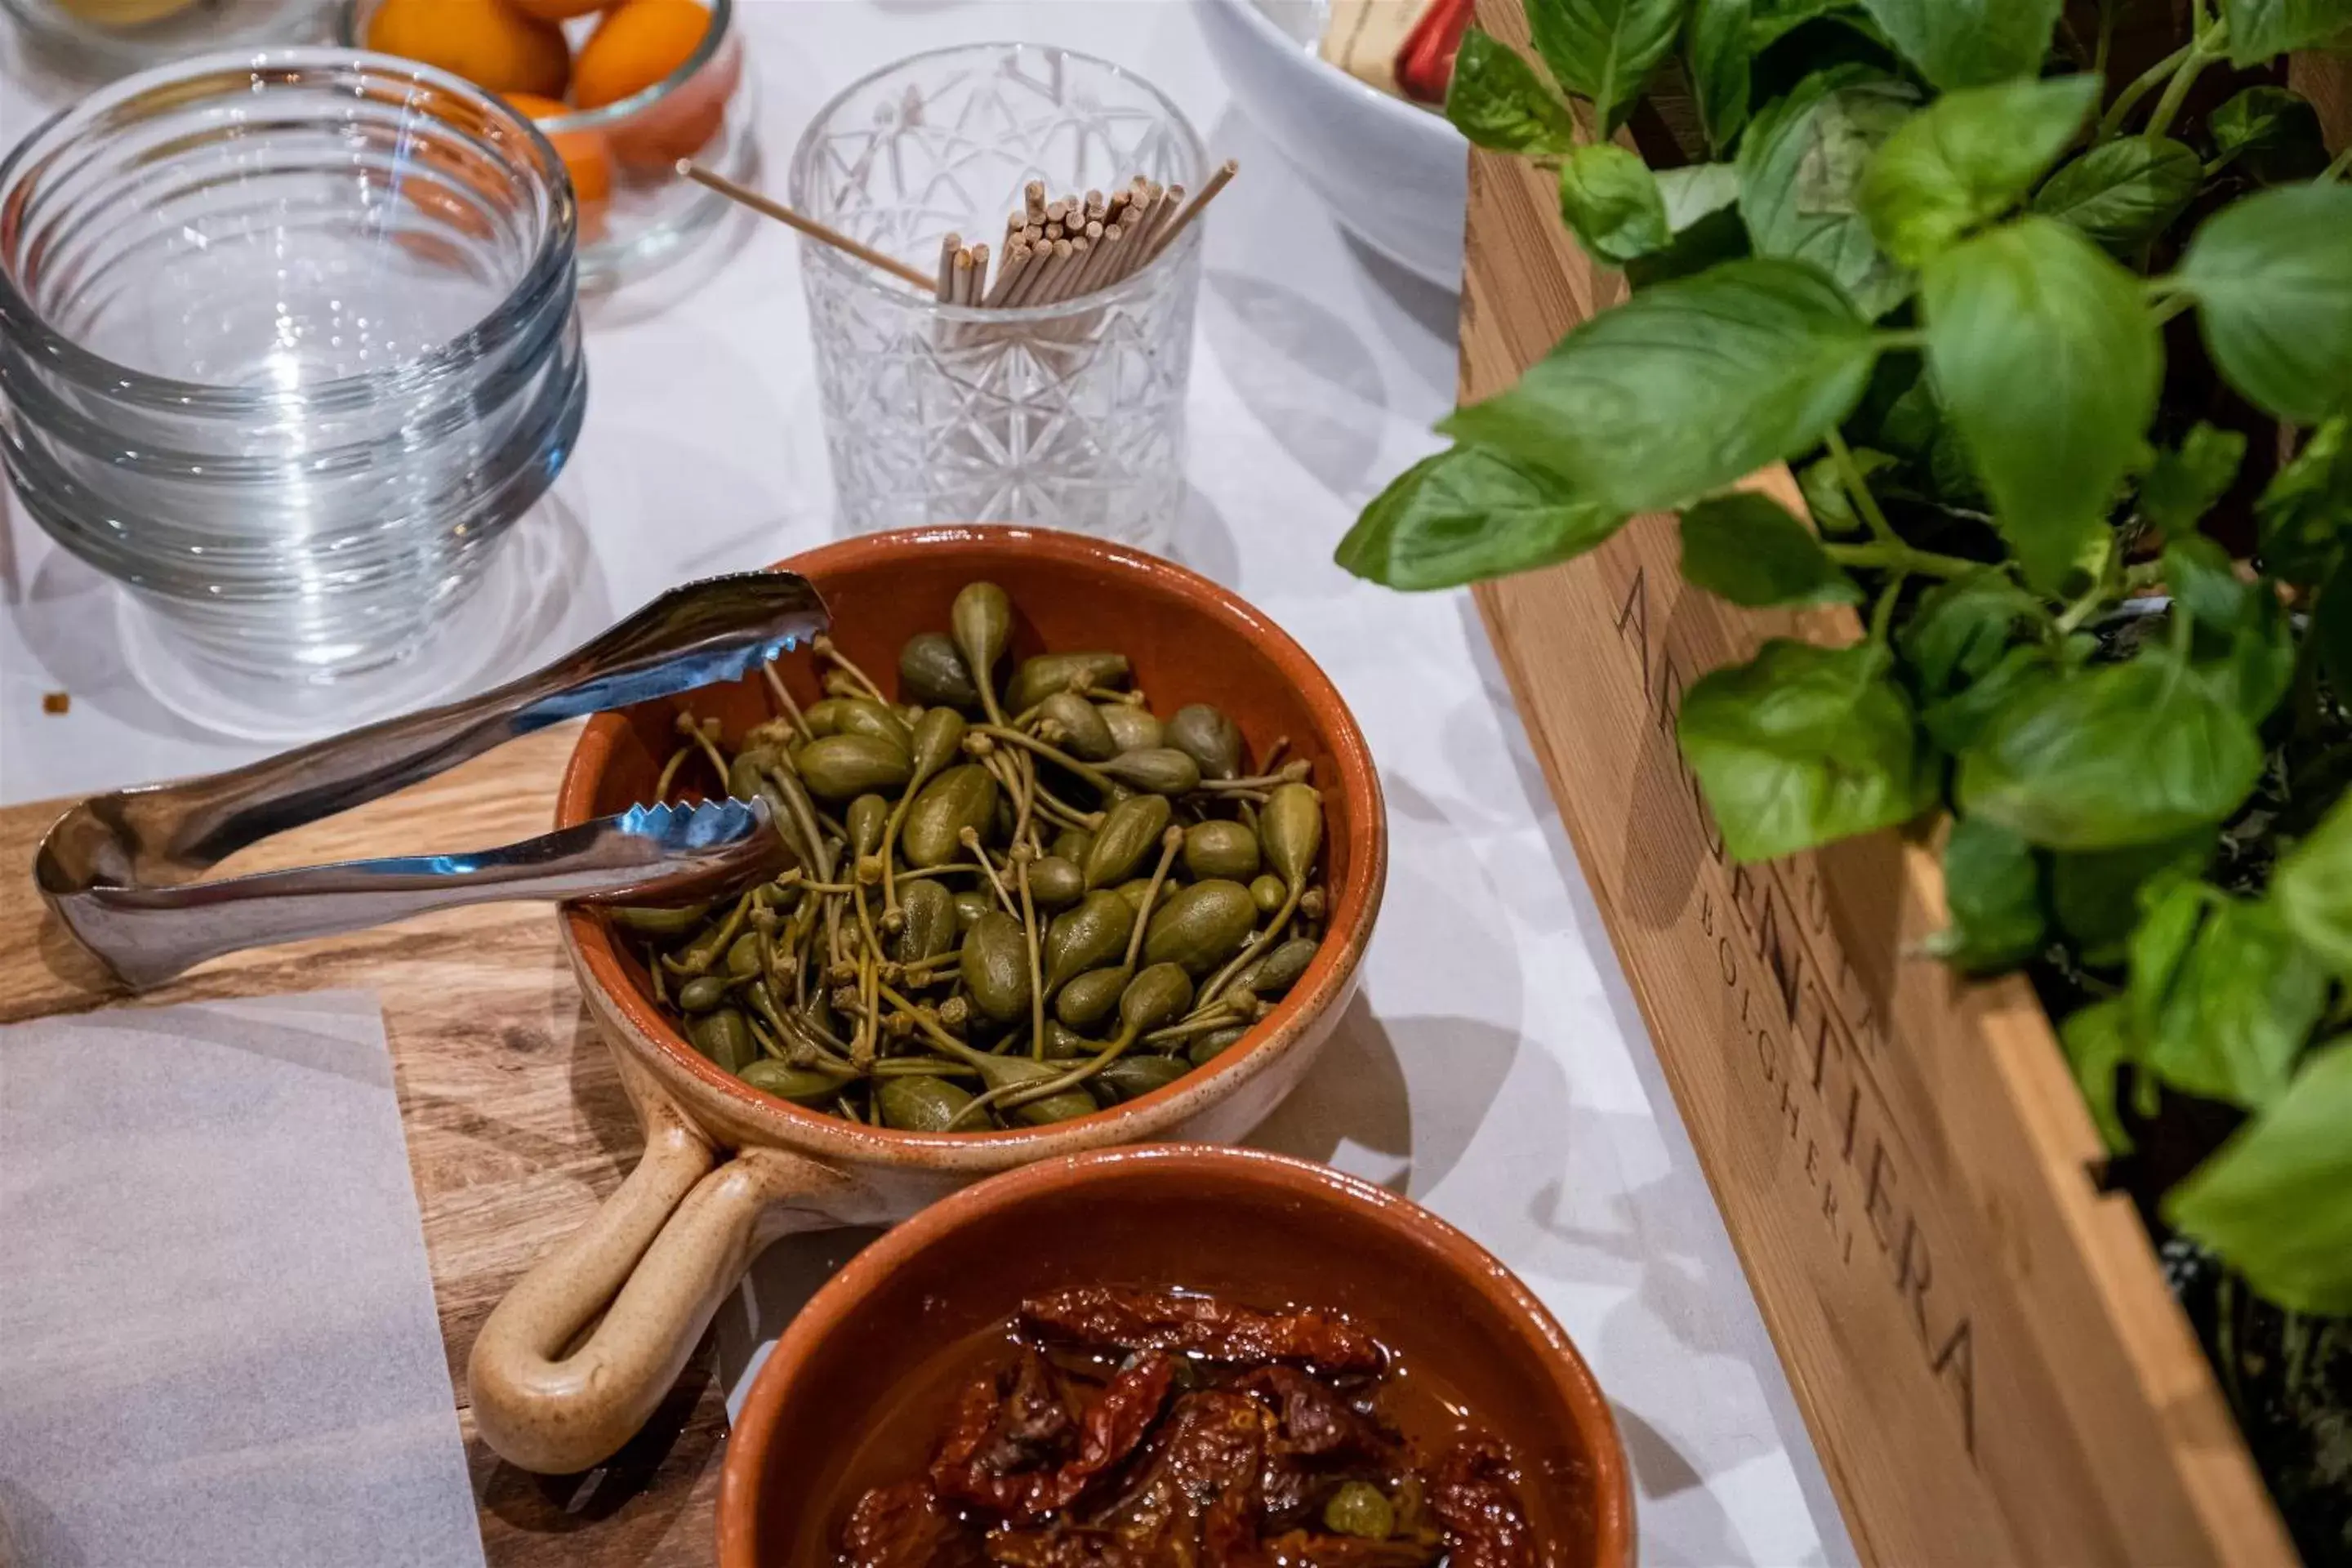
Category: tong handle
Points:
column 148, row 934
column 718, row 630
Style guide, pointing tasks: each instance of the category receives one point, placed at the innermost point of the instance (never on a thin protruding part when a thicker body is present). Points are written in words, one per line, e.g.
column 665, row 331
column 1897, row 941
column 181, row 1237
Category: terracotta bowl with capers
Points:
column 584, row 1348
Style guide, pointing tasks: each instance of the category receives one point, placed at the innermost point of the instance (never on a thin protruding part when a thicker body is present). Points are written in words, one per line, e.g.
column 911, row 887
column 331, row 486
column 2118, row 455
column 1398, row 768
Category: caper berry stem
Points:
column 1073, row 818
column 783, row 696
column 704, row 951
column 1171, row 839
column 1021, row 859
column 866, row 926
column 1029, row 1094
column 818, row 887
column 824, row 647
column 1054, row 812
column 919, row 1067
column 698, row 733
column 1208, row 1022
column 1290, row 772
column 869, row 1028
column 929, row 1024
column 1054, row 755
column 970, row 840
column 669, row 772
column 1024, row 800
column 1258, row 946
column 980, row 1105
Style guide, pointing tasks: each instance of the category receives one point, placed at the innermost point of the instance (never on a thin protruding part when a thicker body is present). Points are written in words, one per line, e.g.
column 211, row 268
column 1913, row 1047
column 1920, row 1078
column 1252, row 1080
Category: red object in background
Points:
column 1424, row 66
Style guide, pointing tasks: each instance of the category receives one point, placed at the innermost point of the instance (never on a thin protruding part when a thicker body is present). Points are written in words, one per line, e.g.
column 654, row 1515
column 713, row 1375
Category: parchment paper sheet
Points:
column 217, row 1338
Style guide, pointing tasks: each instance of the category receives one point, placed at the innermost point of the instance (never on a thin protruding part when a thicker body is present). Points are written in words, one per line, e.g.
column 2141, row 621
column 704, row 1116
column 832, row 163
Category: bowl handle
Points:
column 657, row 1260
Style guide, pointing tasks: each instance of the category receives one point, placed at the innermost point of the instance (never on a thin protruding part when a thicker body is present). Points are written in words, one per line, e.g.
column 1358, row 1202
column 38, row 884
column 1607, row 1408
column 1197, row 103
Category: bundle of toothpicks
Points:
column 1055, row 251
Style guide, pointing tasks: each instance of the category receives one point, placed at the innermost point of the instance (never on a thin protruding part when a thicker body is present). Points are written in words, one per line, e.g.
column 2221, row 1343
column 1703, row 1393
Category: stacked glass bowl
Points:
column 287, row 341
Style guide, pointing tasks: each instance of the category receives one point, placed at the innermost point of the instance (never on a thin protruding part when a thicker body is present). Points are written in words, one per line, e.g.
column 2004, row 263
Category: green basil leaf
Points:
column 2226, row 1018
column 2171, row 910
column 2097, row 1041
column 1611, row 202
column 2124, row 192
column 1802, row 746
column 1686, row 388
column 1464, row 515
column 1913, row 421
column 2110, row 756
column 1992, row 889
column 2240, row 641
column 1969, row 157
column 1497, row 100
column 2275, row 1201
column 2273, row 134
column 2312, row 889
column 2182, row 486
column 1952, row 472
column 2303, row 515
column 2048, row 361
column 1961, row 630
column 2096, row 896
column 1825, row 493
column 1747, row 548
column 1710, row 239
column 1776, row 19
column 1957, row 720
column 1716, row 55
column 1604, row 49
column 1800, row 164
column 1968, row 42
column 1694, row 192
column 2262, row 28
column 2272, row 278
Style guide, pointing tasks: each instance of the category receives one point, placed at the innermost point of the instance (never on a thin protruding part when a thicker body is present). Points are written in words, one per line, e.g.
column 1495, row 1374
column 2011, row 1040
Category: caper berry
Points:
column 1360, row 1509
column 1012, row 882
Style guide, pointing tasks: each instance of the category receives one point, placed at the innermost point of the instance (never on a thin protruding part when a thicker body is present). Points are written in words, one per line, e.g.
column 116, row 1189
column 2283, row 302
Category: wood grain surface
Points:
column 1979, row 1338
column 516, row 1121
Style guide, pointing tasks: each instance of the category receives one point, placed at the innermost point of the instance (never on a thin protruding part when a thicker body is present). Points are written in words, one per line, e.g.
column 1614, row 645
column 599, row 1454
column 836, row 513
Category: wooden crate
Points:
column 1979, row 1337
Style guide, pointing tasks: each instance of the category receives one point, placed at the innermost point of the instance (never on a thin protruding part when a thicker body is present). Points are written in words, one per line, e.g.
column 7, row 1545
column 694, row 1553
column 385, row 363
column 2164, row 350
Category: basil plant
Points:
column 2012, row 304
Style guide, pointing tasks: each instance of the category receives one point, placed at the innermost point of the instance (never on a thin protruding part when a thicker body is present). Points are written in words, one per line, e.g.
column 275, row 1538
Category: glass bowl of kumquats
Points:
column 624, row 91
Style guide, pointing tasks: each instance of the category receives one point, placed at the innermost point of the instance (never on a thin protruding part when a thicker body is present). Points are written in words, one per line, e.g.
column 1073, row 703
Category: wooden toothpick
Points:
column 807, row 225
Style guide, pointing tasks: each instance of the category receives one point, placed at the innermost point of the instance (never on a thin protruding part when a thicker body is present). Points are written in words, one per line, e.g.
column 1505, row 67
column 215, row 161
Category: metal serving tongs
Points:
column 121, row 868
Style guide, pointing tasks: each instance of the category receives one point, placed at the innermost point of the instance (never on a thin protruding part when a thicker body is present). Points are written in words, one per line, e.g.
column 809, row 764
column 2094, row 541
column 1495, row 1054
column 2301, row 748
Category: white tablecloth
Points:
column 1496, row 1067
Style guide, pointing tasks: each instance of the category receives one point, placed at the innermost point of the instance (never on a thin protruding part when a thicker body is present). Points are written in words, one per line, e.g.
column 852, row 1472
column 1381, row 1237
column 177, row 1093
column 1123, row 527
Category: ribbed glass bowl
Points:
column 287, row 341
column 96, row 40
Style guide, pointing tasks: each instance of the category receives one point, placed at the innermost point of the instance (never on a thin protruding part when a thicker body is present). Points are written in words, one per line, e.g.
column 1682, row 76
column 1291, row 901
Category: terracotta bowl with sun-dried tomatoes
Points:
column 1176, row 1353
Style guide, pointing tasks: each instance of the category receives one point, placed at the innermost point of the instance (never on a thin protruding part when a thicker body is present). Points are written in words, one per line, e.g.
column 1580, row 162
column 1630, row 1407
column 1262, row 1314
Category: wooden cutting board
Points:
column 516, row 1121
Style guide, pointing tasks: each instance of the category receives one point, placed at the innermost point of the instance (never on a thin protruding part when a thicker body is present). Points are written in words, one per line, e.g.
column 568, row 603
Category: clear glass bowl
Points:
column 287, row 341
column 704, row 110
column 1071, row 415
column 103, row 38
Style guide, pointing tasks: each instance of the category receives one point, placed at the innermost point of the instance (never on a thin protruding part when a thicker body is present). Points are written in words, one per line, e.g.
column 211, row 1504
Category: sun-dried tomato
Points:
column 1173, row 1463
column 969, row 1469
column 1119, row 1420
column 1472, row 1497
column 1107, row 1318
column 1196, row 1499
column 1059, row 1546
column 904, row 1526
column 1316, row 1419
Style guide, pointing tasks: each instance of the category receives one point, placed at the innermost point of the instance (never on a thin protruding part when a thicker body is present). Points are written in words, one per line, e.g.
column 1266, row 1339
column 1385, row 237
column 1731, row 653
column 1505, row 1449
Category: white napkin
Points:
column 217, row 1336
